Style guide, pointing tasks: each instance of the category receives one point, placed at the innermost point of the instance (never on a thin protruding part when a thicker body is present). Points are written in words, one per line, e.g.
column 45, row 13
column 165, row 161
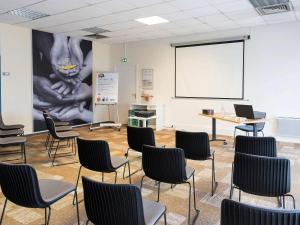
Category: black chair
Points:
column 136, row 138
column 248, row 128
column 168, row 165
column 263, row 176
column 14, row 141
column 116, row 204
column 57, row 123
column 58, row 137
column 95, row 155
column 20, row 185
column 59, row 127
column 3, row 126
column 235, row 213
column 262, row 146
column 196, row 147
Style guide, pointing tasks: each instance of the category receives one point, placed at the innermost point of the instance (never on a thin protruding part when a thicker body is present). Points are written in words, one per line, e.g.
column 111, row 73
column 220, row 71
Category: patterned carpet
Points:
column 176, row 200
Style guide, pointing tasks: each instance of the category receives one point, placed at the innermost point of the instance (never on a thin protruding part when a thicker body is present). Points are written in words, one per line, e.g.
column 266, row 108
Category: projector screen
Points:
column 211, row 70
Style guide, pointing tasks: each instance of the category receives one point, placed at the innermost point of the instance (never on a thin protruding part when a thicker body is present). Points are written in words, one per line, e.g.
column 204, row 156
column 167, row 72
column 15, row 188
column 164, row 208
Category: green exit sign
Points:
column 124, row 60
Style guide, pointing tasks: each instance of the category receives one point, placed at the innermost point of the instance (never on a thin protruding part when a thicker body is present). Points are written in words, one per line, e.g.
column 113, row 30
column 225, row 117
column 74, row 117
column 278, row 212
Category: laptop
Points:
column 247, row 112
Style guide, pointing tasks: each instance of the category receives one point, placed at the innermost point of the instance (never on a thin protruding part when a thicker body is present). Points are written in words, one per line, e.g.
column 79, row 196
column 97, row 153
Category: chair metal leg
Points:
column 47, row 140
column 283, row 202
column 102, row 177
column 126, row 155
column 240, row 195
column 77, row 209
column 3, row 210
column 214, row 184
column 294, row 202
column 55, row 153
column 190, row 193
column 165, row 218
column 49, row 214
column 77, row 183
column 231, row 183
column 129, row 176
column 195, row 207
column 234, row 137
column 116, row 174
column 158, row 190
column 262, row 133
column 24, row 152
column 142, row 180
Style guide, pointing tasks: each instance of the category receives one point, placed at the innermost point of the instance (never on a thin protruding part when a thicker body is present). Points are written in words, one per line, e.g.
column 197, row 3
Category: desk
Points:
column 231, row 119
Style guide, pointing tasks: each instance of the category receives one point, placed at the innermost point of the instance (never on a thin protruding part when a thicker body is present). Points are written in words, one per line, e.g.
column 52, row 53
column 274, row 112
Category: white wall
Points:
column 272, row 75
column 16, row 58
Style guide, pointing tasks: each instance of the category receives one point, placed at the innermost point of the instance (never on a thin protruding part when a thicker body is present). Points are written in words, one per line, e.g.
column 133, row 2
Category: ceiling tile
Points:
column 12, row 19
column 251, row 22
column 202, row 11
column 57, row 6
column 177, row 16
column 115, row 6
column 213, row 18
column 189, row 4
column 234, row 6
column 7, row 5
column 122, row 26
column 143, row 3
column 242, row 14
column 280, row 18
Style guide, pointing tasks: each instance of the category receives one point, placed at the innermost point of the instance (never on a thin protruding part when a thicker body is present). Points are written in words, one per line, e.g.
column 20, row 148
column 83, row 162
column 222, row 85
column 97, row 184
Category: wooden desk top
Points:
column 233, row 119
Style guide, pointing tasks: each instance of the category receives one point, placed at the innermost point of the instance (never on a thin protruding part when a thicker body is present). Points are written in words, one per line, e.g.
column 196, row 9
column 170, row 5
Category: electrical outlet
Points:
column 5, row 73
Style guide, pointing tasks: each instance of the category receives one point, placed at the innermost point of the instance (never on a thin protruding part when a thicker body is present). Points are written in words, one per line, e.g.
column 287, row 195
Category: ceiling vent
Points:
column 95, row 30
column 27, row 13
column 267, row 7
column 96, row 36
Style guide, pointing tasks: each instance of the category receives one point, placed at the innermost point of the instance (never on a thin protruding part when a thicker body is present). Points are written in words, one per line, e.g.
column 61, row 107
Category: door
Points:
column 127, row 88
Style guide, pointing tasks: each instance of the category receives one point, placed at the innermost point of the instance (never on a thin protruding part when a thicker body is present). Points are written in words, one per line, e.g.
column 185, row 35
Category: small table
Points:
column 143, row 119
column 231, row 119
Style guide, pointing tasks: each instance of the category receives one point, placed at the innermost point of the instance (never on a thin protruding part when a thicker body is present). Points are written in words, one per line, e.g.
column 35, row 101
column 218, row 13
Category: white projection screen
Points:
column 211, row 70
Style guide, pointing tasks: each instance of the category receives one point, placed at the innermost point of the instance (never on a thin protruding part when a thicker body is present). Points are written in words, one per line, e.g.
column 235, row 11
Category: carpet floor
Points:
column 176, row 199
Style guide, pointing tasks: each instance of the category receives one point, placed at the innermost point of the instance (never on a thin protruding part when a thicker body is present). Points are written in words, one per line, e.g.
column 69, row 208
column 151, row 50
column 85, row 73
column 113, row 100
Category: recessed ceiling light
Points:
column 29, row 14
column 152, row 20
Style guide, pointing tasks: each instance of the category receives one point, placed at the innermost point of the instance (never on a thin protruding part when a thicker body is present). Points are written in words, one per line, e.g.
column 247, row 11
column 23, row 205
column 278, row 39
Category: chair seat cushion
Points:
column 63, row 128
column 61, row 123
column 53, row 190
column 246, row 128
column 8, row 133
column 117, row 162
column 189, row 171
column 152, row 211
column 67, row 134
column 12, row 141
column 12, row 127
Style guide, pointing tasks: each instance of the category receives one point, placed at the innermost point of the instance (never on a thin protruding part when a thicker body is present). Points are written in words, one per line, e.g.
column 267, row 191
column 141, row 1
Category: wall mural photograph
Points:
column 62, row 78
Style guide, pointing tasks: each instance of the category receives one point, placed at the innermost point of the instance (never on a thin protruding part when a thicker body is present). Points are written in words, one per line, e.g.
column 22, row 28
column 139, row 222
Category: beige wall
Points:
column 16, row 58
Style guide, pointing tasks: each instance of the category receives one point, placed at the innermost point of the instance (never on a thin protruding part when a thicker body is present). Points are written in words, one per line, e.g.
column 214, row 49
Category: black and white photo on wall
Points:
column 62, row 78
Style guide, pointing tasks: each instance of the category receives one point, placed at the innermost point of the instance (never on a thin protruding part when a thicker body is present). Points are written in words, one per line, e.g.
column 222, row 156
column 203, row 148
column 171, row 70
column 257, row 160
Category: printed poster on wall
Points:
column 107, row 88
column 62, row 78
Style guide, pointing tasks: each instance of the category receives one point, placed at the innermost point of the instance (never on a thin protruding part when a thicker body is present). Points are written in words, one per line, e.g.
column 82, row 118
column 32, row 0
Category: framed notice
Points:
column 107, row 88
column 147, row 79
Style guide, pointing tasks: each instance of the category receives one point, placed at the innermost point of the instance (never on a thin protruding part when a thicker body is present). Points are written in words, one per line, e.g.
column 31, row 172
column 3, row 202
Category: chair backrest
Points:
column 51, row 127
column 164, row 164
column 94, row 155
column 19, row 184
column 260, row 126
column 194, row 144
column 139, row 136
column 263, row 146
column 113, row 204
column 261, row 175
column 235, row 213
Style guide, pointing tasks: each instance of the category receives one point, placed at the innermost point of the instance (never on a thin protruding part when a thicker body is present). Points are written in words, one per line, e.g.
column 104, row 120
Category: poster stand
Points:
column 107, row 95
column 110, row 123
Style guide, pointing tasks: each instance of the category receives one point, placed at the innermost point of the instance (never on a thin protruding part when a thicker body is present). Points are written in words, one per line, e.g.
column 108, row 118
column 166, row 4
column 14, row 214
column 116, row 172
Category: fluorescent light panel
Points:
column 152, row 20
column 26, row 13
